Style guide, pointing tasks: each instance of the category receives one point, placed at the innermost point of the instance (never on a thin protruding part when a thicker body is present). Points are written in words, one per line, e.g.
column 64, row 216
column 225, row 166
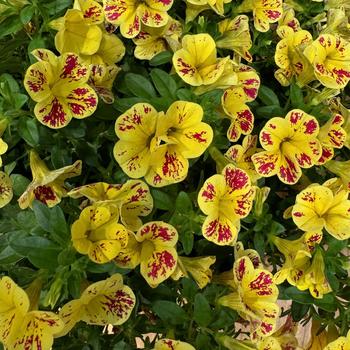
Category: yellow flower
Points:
column 97, row 234
column 196, row 63
column 290, row 144
column 252, row 254
column 338, row 4
column 195, row 7
column 169, row 344
column 225, row 199
column 342, row 343
column 288, row 19
column 197, row 267
column 338, row 108
column 241, row 155
column 91, row 9
column 20, row 326
column 255, row 297
column 130, row 14
column 331, row 136
column 290, row 59
column 342, row 169
column 127, row 201
column 151, row 41
column 6, row 191
column 337, row 23
column 3, row 144
column 297, row 255
column 59, row 86
column 102, row 303
column 316, row 207
column 47, row 185
column 330, row 57
column 235, row 36
column 77, row 33
column 264, row 12
column 158, row 146
column 154, row 248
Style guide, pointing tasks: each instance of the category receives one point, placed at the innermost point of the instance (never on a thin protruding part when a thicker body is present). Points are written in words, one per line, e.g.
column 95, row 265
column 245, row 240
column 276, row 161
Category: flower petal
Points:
column 266, row 163
column 37, row 79
column 289, row 171
column 152, row 17
column 6, row 192
column 159, row 232
column 82, row 101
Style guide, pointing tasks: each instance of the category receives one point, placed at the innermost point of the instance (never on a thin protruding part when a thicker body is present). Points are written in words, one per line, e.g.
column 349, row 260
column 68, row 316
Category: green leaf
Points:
column 327, row 303
column 20, row 183
column 268, row 112
column 28, row 130
column 10, row 25
column 302, row 297
column 298, row 311
column 27, row 14
column 267, row 96
column 296, row 96
column 170, row 312
column 164, row 83
column 183, row 203
column 161, row 58
column 162, row 200
column 202, row 311
column 187, row 241
column 139, row 85
column 202, row 341
column 42, row 215
column 123, row 104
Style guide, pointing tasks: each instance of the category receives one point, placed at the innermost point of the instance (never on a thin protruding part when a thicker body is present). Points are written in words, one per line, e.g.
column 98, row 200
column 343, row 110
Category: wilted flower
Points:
column 225, row 199
column 316, row 207
column 97, row 234
column 47, row 185
column 6, row 191
column 290, row 144
column 126, row 201
column 129, row 15
column 59, row 86
column 196, row 63
column 235, row 36
column 342, row 343
column 330, row 57
column 169, row 344
column 102, row 303
column 158, row 146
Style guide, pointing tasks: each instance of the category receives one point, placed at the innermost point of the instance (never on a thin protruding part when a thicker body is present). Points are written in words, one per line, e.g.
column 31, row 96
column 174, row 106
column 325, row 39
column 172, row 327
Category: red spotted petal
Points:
column 158, row 232
column 289, row 170
column 82, row 101
column 153, row 18
column 116, row 11
column 237, row 180
column 37, row 80
column 266, row 163
column 72, row 69
column 242, row 123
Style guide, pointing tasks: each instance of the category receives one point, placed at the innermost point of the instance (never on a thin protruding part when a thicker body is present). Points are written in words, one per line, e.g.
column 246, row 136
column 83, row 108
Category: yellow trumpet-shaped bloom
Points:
column 225, row 199
column 341, row 169
column 317, row 207
column 20, row 327
column 6, row 191
column 290, row 144
column 102, row 303
column 288, row 19
column 195, row 7
column 130, row 14
column 59, row 87
column 47, row 185
column 158, row 146
column 197, row 63
column 330, row 57
column 169, row 344
column 97, row 234
column 92, row 10
column 254, row 297
column 126, row 201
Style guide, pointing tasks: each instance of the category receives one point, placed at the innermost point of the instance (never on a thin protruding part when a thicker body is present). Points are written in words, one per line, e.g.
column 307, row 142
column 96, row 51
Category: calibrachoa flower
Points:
column 254, row 297
column 331, row 136
column 158, row 146
column 330, row 57
column 342, row 343
column 197, row 267
column 195, row 7
column 59, row 86
column 47, row 185
column 3, row 144
column 97, row 234
column 317, row 207
column 288, row 19
column 225, row 199
column 241, row 156
column 92, row 10
column 169, row 344
column 196, row 63
column 155, row 252
column 235, row 36
column 6, row 191
column 20, row 327
column 290, row 59
column 126, row 201
column 290, row 144
column 107, row 302
column 264, row 12
column 342, row 169
column 151, row 41
column 129, row 15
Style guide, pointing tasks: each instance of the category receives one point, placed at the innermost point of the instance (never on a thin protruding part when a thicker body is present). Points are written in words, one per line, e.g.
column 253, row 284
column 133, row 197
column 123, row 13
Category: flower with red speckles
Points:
column 47, row 185
column 169, row 344
column 59, row 86
column 126, row 201
column 107, row 302
column 254, row 297
column 264, row 12
column 196, row 63
column 92, row 10
column 341, row 343
column 331, row 136
column 158, row 146
column 290, row 144
column 225, row 199
column 98, row 234
column 130, row 14
column 20, row 325
column 154, row 248
column 288, row 19
column 6, row 190
column 330, row 57
column 317, row 207
column 195, row 7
